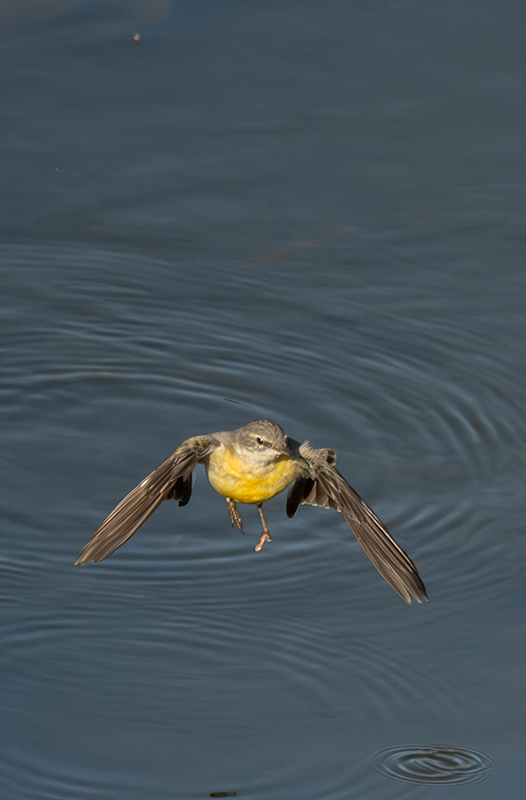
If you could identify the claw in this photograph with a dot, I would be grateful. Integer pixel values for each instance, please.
(234, 515)
(265, 536)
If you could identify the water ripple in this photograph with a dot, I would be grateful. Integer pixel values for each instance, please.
(433, 765)
(109, 361)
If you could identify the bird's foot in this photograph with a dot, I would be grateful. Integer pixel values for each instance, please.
(234, 515)
(265, 537)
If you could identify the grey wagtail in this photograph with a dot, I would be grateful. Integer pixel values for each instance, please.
(251, 465)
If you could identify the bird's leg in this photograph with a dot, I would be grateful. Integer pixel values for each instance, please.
(234, 515)
(265, 536)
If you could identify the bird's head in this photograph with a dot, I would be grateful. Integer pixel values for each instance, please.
(265, 440)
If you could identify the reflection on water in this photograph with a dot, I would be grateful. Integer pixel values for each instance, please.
(435, 765)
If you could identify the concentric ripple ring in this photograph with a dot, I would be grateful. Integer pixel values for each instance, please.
(431, 764)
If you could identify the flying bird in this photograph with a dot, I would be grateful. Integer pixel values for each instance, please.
(250, 465)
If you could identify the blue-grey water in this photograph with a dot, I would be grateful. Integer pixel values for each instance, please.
(313, 212)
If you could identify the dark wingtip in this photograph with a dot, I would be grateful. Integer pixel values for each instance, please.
(418, 590)
(83, 558)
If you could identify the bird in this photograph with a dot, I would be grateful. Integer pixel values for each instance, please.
(250, 465)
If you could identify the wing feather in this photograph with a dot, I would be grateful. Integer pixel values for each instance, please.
(327, 488)
(171, 479)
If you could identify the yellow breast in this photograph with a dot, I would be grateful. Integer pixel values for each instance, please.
(235, 477)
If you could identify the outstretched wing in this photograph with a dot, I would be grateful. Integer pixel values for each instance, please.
(172, 480)
(324, 486)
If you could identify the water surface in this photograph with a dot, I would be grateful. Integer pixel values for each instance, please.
(311, 214)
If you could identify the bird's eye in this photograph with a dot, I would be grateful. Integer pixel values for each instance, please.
(260, 441)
